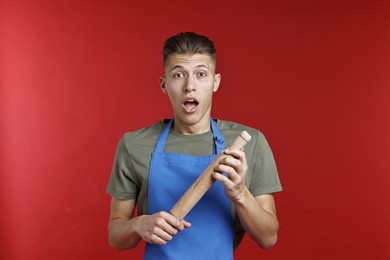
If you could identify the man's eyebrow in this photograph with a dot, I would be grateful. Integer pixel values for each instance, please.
(177, 67)
(197, 66)
(201, 66)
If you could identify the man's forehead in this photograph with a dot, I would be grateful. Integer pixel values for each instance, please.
(189, 60)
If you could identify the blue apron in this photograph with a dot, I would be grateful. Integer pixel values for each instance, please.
(211, 234)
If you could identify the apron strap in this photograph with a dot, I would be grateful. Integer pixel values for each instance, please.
(163, 138)
(218, 138)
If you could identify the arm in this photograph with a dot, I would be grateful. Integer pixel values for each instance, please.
(121, 232)
(257, 215)
(125, 231)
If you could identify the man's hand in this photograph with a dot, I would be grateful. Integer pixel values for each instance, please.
(160, 227)
(235, 166)
(125, 231)
(257, 214)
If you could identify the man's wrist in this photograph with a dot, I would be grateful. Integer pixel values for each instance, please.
(242, 198)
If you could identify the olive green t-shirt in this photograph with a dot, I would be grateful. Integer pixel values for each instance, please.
(129, 176)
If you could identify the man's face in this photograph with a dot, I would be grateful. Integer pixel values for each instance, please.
(190, 81)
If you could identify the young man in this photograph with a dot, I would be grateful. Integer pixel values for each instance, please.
(155, 165)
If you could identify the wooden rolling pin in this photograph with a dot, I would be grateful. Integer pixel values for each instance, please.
(204, 181)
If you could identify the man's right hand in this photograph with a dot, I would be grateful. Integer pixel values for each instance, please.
(159, 228)
(125, 231)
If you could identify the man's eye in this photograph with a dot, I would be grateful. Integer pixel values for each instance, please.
(202, 74)
(178, 75)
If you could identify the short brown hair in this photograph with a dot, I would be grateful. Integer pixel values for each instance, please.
(188, 43)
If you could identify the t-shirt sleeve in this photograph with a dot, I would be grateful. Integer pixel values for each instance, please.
(122, 184)
(264, 179)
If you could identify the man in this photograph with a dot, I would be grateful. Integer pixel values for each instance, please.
(155, 165)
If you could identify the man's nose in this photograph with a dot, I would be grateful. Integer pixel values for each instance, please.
(189, 85)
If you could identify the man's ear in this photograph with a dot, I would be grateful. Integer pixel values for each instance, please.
(162, 85)
(217, 81)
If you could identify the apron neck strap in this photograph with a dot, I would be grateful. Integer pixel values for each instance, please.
(218, 138)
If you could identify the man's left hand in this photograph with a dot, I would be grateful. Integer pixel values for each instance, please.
(235, 166)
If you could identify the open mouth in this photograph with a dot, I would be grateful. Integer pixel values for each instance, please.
(190, 105)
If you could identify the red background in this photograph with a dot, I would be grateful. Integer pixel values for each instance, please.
(312, 75)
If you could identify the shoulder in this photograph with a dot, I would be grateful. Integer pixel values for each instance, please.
(143, 137)
(145, 132)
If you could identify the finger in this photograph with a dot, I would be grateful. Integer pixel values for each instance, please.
(232, 162)
(175, 223)
(232, 170)
(226, 182)
(164, 230)
(155, 239)
(160, 236)
(225, 170)
(235, 153)
(237, 160)
(168, 223)
(186, 224)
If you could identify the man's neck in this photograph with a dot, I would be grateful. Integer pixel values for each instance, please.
(191, 129)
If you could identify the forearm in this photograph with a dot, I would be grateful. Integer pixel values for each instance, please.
(260, 224)
(122, 233)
